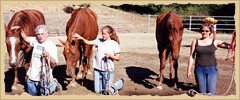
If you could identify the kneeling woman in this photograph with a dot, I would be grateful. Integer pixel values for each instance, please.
(206, 70)
(108, 50)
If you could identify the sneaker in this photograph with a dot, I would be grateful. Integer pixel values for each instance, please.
(115, 91)
(59, 87)
(122, 80)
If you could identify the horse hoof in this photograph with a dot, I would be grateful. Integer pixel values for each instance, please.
(72, 84)
(89, 73)
(14, 87)
(159, 87)
(79, 76)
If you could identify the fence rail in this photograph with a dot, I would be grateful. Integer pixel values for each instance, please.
(129, 23)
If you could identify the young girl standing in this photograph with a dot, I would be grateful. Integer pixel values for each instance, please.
(108, 50)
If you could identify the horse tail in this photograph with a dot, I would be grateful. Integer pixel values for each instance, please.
(68, 9)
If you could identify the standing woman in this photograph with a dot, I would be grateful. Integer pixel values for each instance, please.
(206, 71)
(108, 50)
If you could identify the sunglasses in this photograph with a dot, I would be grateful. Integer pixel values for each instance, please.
(205, 31)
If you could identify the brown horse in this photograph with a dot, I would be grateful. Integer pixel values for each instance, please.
(231, 50)
(83, 21)
(22, 21)
(169, 30)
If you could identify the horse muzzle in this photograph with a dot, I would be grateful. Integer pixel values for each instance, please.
(175, 56)
(12, 64)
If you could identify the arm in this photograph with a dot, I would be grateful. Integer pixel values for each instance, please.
(214, 31)
(222, 44)
(77, 36)
(24, 36)
(190, 59)
(114, 57)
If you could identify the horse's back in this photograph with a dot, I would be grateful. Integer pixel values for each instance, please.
(84, 22)
(37, 15)
(166, 22)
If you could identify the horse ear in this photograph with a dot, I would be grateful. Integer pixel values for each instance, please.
(63, 42)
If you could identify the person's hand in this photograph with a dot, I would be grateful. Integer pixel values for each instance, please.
(189, 74)
(107, 55)
(45, 54)
(214, 27)
(77, 36)
(23, 34)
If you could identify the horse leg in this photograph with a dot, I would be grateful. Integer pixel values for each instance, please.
(162, 55)
(85, 61)
(73, 75)
(88, 53)
(89, 72)
(175, 64)
(15, 81)
(79, 75)
(171, 67)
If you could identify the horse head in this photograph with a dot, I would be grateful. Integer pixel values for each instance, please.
(13, 43)
(175, 37)
(71, 53)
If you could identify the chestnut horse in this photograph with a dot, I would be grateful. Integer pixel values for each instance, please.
(231, 50)
(22, 21)
(83, 21)
(169, 30)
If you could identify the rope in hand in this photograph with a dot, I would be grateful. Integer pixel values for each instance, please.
(45, 74)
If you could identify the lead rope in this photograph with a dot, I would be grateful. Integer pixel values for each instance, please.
(233, 71)
(107, 86)
(45, 75)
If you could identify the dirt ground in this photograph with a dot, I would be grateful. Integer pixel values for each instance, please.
(139, 66)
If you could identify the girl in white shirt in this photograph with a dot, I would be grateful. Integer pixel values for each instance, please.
(108, 50)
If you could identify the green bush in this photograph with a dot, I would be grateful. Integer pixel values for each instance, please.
(181, 9)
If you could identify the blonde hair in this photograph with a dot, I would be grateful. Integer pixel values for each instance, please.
(112, 33)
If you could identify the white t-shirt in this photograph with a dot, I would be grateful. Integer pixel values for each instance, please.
(35, 66)
(108, 46)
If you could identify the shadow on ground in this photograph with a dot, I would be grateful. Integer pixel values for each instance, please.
(142, 76)
(59, 72)
(9, 78)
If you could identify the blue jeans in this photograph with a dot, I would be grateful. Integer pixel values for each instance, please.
(206, 78)
(34, 88)
(101, 78)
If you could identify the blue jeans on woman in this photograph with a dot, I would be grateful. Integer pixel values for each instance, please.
(206, 78)
(101, 78)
